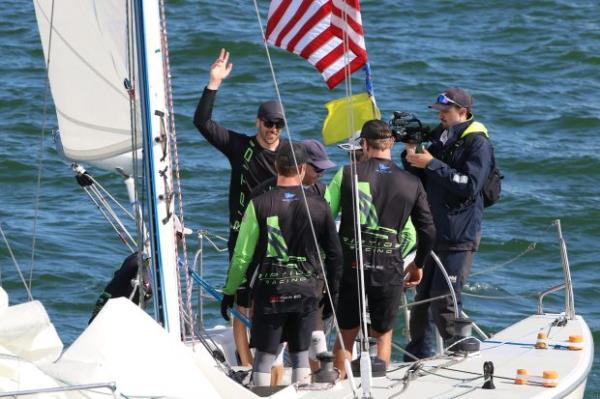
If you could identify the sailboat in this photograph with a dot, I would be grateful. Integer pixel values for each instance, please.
(108, 69)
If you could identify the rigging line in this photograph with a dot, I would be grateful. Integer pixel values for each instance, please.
(499, 296)
(107, 217)
(529, 248)
(141, 234)
(310, 222)
(139, 211)
(174, 149)
(41, 151)
(217, 248)
(109, 195)
(111, 212)
(12, 255)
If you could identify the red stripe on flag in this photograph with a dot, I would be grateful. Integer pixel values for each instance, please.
(352, 3)
(330, 58)
(276, 17)
(356, 49)
(293, 21)
(356, 27)
(316, 43)
(312, 21)
(340, 75)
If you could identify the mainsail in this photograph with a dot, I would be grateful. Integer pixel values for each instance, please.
(87, 60)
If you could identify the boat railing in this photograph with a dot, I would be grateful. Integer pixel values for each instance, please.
(542, 295)
(564, 260)
(81, 387)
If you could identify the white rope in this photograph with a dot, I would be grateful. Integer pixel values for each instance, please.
(12, 255)
(111, 197)
(108, 218)
(111, 213)
(287, 130)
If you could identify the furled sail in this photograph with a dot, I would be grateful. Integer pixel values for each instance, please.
(87, 61)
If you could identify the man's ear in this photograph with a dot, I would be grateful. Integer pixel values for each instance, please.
(257, 123)
(302, 170)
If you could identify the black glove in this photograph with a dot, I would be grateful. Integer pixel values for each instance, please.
(226, 303)
(327, 310)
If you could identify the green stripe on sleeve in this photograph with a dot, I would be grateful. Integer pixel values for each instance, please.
(244, 250)
(334, 190)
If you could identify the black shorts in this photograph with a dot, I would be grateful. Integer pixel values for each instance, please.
(269, 330)
(382, 305)
(243, 295)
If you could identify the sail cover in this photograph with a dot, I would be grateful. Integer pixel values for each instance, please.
(87, 61)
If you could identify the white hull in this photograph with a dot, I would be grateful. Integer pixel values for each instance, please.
(126, 347)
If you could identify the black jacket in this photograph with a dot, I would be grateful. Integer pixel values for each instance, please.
(453, 181)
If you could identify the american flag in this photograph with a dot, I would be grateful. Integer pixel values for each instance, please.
(315, 29)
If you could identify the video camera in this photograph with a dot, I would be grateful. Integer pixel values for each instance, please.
(407, 128)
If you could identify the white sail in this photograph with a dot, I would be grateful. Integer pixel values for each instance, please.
(87, 61)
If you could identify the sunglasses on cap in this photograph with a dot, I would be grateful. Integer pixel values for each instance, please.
(279, 124)
(443, 99)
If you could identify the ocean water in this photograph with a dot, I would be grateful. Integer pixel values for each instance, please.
(533, 68)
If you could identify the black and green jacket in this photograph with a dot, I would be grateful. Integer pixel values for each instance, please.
(276, 233)
(389, 198)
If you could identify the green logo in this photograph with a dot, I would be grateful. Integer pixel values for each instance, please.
(368, 213)
(276, 246)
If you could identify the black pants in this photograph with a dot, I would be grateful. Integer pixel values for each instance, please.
(458, 266)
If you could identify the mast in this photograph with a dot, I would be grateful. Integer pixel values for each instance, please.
(157, 163)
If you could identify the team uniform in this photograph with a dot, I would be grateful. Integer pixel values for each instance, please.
(275, 233)
(251, 164)
(388, 196)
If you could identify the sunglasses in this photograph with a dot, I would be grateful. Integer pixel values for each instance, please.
(317, 170)
(443, 99)
(279, 124)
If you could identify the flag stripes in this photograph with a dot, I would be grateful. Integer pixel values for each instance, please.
(316, 30)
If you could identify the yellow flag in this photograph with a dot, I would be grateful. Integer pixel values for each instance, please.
(338, 125)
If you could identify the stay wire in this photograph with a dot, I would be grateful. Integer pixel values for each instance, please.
(41, 151)
(312, 229)
(12, 255)
(175, 155)
(141, 233)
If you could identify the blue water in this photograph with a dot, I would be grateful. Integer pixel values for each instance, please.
(533, 68)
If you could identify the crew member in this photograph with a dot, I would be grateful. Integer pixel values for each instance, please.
(318, 163)
(251, 159)
(276, 233)
(453, 170)
(125, 281)
(388, 196)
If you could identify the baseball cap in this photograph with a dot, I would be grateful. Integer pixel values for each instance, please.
(317, 155)
(285, 158)
(179, 227)
(270, 111)
(375, 129)
(453, 96)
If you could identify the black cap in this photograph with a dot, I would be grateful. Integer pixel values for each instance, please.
(284, 157)
(456, 95)
(375, 129)
(270, 111)
(317, 155)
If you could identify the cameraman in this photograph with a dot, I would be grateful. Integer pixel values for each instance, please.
(453, 173)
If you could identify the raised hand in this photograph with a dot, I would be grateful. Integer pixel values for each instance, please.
(219, 70)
